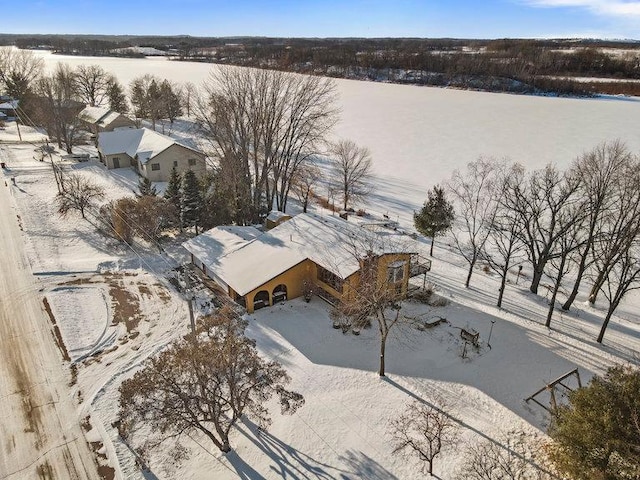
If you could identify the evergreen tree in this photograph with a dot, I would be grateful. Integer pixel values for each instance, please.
(216, 209)
(146, 188)
(173, 193)
(171, 103)
(436, 215)
(117, 97)
(597, 436)
(191, 200)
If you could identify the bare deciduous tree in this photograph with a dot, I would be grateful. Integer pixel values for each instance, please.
(617, 228)
(146, 217)
(504, 248)
(572, 237)
(205, 383)
(423, 431)
(188, 93)
(58, 106)
(515, 457)
(602, 170)
(78, 193)
(374, 296)
(121, 211)
(304, 183)
(263, 125)
(93, 83)
(476, 193)
(537, 203)
(351, 165)
(622, 277)
(19, 69)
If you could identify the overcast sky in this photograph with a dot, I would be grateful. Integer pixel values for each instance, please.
(329, 18)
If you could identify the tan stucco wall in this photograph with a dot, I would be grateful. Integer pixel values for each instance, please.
(387, 259)
(307, 270)
(175, 153)
(293, 278)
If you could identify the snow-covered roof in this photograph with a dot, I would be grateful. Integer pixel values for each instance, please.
(330, 242)
(220, 241)
(10, 105)
(135, 141)
(108, 118)
(93, 114)
(275, 215)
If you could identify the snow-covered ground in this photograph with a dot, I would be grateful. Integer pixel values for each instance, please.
(117, 299)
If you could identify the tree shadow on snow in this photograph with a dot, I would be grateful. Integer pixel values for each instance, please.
(461, 423)
(291, 463)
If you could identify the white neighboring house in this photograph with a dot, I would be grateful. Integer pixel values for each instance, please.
(100, 119)
(149, 153)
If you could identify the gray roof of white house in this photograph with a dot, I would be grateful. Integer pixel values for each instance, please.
(143, 142)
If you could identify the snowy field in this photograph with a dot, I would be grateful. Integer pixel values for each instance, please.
(419, 135)
(118, 298)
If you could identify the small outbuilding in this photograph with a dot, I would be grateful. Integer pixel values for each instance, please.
(100, 119)
(9, 108)
(275, 218)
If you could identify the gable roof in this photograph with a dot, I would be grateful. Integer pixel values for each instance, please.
(328, 241)
(143, 142)
(9, 105)
(93, 114)
(111, 117)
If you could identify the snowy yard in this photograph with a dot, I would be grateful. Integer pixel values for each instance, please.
(115, 308)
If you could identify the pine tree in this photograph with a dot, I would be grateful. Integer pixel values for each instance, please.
(171, 103)
(597, 436)
(146, 188)
(191, 200)
(435, 217)
(117, 97)
(173, 193)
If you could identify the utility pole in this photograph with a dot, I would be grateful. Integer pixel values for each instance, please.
(18, 127)
(55, 174)
(189, 296)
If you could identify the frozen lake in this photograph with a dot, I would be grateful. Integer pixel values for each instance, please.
(419, 135)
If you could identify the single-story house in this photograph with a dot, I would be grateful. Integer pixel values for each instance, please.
(100, 119)
(259, 268)
(150, 153)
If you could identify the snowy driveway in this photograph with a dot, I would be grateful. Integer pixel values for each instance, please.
(39, 431)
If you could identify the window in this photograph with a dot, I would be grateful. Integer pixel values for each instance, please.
(192, 162)
(395, 272)
(175, 163)
(155, 166)
(330, 278)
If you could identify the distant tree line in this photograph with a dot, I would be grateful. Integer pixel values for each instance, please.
(527, 66)
(512, 65)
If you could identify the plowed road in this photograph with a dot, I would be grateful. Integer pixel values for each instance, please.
(40, 434)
